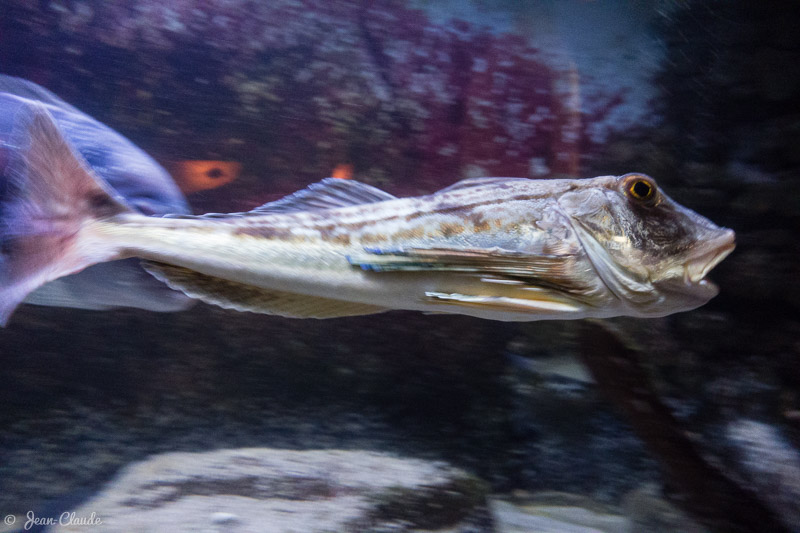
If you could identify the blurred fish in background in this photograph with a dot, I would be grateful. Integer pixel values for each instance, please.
(197, 175)
(125, 169)
(343, 171)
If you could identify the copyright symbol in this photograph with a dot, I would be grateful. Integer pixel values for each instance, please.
(10, 519)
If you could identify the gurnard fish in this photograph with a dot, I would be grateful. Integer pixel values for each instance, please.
(123, 168)
(511, 249)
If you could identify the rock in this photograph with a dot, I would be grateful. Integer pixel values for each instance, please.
(771, 465)
(224, 518)
(557, 513)
(566, 439)
(649, 512)
(271, 490)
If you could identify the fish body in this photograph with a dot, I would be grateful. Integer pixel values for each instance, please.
(375, 253)
(123, 168)
(496, 248)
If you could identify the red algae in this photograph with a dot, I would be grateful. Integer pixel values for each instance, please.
(293, 88)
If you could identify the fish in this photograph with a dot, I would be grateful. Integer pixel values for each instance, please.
(509, 249)
(201, 175)
(122, 167)
(343, 171)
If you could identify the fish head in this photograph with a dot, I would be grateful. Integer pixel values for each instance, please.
(652, 253)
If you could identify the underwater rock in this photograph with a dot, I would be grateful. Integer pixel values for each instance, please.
(270, 490)
(567, 439)
(649, 512)
(555, 512)
(710, 494)
(771, 465)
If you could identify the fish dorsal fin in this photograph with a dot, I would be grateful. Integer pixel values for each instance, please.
(232, 295)
(327, 194)
(31, 91)
(478, 182)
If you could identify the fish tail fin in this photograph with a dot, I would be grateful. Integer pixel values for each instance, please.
(49, 198)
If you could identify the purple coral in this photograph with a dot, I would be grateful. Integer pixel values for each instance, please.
(294, 88)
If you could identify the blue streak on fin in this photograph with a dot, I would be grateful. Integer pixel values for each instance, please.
(477, 260)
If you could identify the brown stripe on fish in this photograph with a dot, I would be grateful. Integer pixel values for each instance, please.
(445, 229)
(418, 232)
(339, 238)
(480, 224)
(448, 229)
(439, 208)
(455, 208)
(342, 232)
(333, 234)
(265, 231)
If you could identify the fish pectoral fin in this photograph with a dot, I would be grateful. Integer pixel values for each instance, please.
(529, 280)
(541, 304)
(478, 260)
(232, 295)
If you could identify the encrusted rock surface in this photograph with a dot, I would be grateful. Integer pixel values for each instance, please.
(266, 490)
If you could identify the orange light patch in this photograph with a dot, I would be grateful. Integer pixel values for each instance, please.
(192, 176)
(343, 172)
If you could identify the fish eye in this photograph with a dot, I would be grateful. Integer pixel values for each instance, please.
(641, 188)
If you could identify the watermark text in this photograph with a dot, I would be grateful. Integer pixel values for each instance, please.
(67, 518)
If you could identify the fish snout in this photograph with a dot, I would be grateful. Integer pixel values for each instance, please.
(708, 253)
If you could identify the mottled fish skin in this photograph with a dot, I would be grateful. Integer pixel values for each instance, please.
(337, 253)
(126, 169)
(496, 248)
(314, 252)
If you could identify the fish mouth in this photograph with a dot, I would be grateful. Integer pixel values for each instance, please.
(708, 255)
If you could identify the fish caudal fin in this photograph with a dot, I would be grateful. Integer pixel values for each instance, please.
(49, 197)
